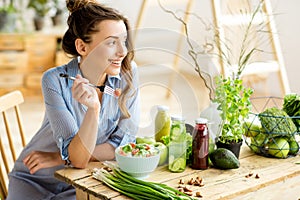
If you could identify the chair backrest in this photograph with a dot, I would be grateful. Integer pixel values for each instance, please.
(10, 140)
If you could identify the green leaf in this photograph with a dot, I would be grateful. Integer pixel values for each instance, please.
(234, 103)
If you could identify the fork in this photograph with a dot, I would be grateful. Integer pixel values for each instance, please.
(103, 88)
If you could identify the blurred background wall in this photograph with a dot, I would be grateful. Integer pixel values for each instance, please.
(285, 11)
(159, 32)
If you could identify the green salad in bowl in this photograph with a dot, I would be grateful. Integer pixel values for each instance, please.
(138, 150)
(138, 160)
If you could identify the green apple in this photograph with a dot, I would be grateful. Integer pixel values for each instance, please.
(279, 148)
(255, 148)
(294, 146)
(260, 139)
(146, 139)
(163, 149)
(252, 129)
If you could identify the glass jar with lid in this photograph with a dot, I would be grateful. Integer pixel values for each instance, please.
(162, 123)
(177, 145)
(200, 145)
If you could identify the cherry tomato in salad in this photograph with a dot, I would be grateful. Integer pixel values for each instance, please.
(134, 151)
(132, 145)
(138, 150)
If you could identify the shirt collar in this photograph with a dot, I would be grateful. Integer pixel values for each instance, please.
(115, 76)
(72, 70)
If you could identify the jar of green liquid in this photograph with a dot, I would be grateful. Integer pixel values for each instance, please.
(162, 123)
(177, 145)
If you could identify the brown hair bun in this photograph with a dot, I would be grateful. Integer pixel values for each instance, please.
(74, 5)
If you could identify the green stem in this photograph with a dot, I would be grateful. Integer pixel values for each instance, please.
(158, 186)
(146, 189)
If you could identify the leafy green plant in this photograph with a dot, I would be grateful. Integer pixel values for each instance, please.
(8, 8)
(230, 93)
(291, 106)
(7, 15)
(59, 6)
(41, 7)
(233, 98)
(234, 103)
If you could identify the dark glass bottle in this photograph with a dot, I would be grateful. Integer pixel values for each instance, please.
(200, 146)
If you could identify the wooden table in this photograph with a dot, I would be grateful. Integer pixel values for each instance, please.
(278, 179)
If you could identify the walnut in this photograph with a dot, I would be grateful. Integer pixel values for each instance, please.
(198, 194)
(191, 181)
(181, 181)
(186, 189)
(189, 193)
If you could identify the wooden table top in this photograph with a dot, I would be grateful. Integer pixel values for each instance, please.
(278, 179)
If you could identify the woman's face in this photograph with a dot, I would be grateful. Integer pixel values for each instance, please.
(108, 46)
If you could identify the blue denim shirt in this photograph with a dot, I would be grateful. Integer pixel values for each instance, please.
(64, 115)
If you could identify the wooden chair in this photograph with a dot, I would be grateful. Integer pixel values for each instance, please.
(11, 141)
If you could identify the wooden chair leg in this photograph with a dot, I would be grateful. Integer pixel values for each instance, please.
(3, 190)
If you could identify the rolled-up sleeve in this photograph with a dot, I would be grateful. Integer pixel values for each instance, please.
(59, 112)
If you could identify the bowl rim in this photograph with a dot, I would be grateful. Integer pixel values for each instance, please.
(117, 153)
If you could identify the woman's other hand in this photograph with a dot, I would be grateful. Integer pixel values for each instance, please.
(84, 93)
(37, 160)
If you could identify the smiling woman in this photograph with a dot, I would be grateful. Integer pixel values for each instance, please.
(108, 48)
(81, 123)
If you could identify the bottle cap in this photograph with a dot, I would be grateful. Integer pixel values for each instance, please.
(201, 121)
(177, 118)
(162, 108)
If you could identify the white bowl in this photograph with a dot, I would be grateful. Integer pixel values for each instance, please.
(138, 167)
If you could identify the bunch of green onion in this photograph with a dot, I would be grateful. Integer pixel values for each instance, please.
(136, 188)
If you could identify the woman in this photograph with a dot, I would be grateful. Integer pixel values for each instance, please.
(81, 123)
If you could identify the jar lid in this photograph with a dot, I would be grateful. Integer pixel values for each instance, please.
(177, 118)
(162, 108)
(201, 121)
